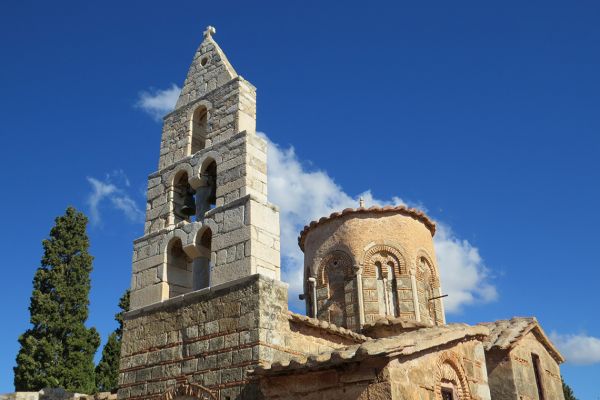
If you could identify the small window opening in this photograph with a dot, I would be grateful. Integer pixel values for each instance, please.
(179, 269)
(206, 193)
(537, 370)
(199, 129)
(202, 264)
(447, 394)
(203, 61)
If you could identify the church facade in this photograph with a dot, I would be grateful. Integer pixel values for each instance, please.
(209, 315)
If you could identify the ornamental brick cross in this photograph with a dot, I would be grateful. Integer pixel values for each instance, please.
(210, 30)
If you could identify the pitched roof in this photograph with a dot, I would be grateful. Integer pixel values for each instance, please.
(411, 212)
(506, 333)
(401, 345)
(210, 69)
(326, 326)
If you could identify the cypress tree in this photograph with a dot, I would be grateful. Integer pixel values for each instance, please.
(58, 350)
(568, 392)
(107, 371)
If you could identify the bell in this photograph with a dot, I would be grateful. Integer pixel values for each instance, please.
(189, 205)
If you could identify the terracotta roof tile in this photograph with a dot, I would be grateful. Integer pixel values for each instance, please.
(412, 212)
(401, 345)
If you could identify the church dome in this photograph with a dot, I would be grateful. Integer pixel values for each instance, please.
(364, 264)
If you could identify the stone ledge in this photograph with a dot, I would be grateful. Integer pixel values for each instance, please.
(216, 210)
(207, 94)
(191, 297)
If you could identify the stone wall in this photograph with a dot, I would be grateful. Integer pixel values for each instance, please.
(211, 337)
(460, 365)
(512, 376)
(420, 376)
(57, 394)
(243, 226)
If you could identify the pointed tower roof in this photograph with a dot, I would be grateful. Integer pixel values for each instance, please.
(210, 69)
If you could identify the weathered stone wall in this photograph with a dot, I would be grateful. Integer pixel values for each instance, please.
(57, 394)
(500, 375)
(360, 381)
(393, 240)
(457, 365)
(211, 337)
(421, 376)
(523, 371)
(244, 226)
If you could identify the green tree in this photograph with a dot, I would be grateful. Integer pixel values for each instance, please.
(107, 371)
(58, 351)
(569, 395)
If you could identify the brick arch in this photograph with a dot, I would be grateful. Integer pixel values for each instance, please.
(187, 390)
(202, 160)
(374, 253)
(449, 369)
(345, 260)
(335, 299)
(433, 273)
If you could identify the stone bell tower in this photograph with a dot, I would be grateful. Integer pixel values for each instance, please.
(205, 284)
(207, 217)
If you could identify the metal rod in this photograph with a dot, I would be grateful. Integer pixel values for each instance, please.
(438, 297)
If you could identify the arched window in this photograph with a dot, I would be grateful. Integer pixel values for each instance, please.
(335, 290)
(199, 129)
(386, 265)
(202, 264)
(426, 291)
(179, 269)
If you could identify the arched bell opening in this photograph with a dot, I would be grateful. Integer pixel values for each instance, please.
(206, 193)
(202, 264)
(179, 269)
(183, 198)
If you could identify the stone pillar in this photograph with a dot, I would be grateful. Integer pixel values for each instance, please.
(313, 293)
(359, 289)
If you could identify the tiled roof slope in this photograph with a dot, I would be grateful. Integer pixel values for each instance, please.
(411, 212)
(506, 333)
(324, 325)
(401, 345)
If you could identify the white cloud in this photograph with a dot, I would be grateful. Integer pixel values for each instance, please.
(463, 274)
(107, 190)
(304, 195)
(578, 349)
(158, 102)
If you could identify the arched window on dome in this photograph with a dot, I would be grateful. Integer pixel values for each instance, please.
(199, 129)
(336, 291)
(426, 291)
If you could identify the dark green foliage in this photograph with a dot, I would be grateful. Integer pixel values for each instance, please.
(58, 350)
(107, 371)
(569, 395)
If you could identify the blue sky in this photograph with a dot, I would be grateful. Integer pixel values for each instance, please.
(484, 115)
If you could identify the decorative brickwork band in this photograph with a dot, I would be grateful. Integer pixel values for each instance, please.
(185, 389)
(450, 374)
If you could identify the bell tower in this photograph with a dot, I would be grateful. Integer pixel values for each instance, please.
(208, 221)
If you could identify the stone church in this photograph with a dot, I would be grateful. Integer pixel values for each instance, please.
(209, 314)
